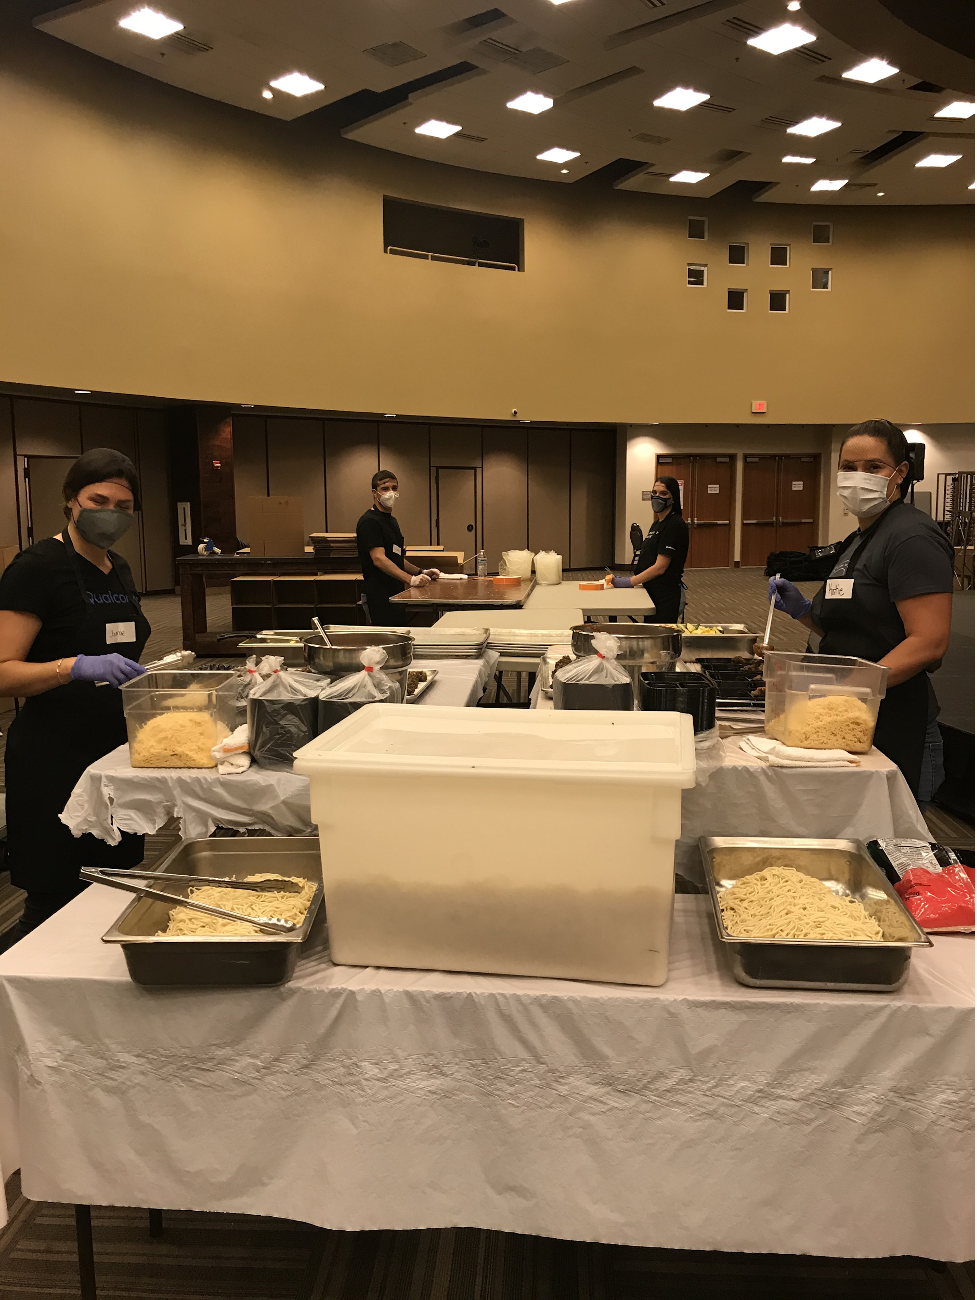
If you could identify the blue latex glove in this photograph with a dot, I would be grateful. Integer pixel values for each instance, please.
(619, 580)
(787, 598)
(114, 669)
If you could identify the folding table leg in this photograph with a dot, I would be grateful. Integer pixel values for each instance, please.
(86, 1252)
(156, 1223)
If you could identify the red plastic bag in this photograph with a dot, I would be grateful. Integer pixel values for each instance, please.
(939, 900)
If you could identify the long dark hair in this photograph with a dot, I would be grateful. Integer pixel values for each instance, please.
(673, 487)
(895, 441)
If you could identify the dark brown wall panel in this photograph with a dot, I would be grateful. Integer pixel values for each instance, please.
(43, 428)
(250, 466)
(352, 458)
(405, 449)
(505, 516)
(9, 533)
(109, 426)
(456, 444)
(296, 467)
(592, 470)
(549, 491)
(158, 510)
(215, 449)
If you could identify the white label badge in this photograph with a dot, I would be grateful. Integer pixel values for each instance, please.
(118, 632)
(396, 549)
(712, 489)
(838, 588)
(797, 487)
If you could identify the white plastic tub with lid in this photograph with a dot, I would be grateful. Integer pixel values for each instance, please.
(539, 843)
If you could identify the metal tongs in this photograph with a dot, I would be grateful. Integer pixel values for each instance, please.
(120, 879)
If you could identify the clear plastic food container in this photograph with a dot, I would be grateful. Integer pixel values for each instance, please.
(174, 719)
(520, 873)
(822, 701)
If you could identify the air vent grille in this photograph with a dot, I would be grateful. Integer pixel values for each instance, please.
(483, 19)
(655, 4)
(394, 53)
(742, 27)
(472, 139)
(810, 55)
(860, 185)
(713, 107)
(645, 138)
(778, 123)
(187, 44)
(535, 60)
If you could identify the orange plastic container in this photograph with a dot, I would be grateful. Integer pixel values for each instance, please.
(503, 581)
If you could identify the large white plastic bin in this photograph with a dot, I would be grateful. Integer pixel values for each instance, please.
(524, 843)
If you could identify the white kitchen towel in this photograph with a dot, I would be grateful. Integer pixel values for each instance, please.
(775, 754)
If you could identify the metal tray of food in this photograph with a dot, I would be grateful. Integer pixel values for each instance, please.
(174, 960)
(287, 643)
(862, 966)
(427, 676)
(732, 640)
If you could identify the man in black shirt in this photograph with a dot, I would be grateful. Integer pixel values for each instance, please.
(380, 544)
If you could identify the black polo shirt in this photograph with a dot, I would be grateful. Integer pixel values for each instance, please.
(671, 538)
(376, 528)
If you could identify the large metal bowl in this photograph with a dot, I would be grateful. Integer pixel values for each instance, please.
(645, 647)
(343, 656)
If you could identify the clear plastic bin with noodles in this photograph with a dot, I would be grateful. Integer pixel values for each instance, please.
(822, 701)
(175, 718)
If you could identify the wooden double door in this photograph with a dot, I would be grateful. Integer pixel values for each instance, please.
(707, 486)
(781, 501)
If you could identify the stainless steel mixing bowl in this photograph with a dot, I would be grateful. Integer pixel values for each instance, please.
(343, 656)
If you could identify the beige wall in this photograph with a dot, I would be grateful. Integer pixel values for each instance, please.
(156, 242)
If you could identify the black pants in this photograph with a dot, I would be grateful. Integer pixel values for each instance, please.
(901, 730)
(37, 909)
(382, 612)
(667, 601)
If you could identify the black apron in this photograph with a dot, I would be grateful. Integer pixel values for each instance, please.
(54, 738)
(900, 732)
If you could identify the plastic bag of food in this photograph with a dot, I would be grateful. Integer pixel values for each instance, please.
(371, 686)
(595, 682)
(549, 568)
(516, 564)
(936, 887)
(283, 716)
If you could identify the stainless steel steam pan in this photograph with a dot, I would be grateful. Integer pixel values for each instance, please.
(863, 966)
(732, 640)
(174, 960)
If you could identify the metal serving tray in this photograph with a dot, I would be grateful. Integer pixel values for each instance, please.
(156, 959)
(731, 640)
(847, 869)
(289, 644)
(429, 675)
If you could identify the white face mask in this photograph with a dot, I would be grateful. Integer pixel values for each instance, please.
(388, 498)
(865, 495)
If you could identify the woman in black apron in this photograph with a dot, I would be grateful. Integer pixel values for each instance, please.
(71, 629)
(661, 562)
(888, 598)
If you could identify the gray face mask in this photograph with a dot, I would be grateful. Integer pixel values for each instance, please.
(102, 527)
(658, 504)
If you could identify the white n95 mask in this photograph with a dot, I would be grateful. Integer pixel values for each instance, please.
(865, 495)
(388, 498)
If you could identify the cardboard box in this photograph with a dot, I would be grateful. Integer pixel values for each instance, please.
(275, 526)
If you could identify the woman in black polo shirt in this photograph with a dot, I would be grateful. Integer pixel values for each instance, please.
(888, 598)
(661, 561)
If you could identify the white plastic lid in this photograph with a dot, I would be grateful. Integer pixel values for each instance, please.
(643, 748)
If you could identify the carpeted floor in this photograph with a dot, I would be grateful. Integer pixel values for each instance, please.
(236, 1257)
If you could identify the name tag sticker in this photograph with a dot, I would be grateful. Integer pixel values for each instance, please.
(838, 588)
(396, 550)
(116, 633)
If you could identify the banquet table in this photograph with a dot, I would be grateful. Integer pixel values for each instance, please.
(611, 603)
(699, 1115)
(112, 796)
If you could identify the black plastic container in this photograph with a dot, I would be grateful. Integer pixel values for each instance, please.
(690, 693)
(333, 711)
(277, 728)
(593, 695)
(752, 666)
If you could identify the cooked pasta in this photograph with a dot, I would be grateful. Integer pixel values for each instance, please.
(781, 903)
(283, 907)
(177, 740)
(830, 722)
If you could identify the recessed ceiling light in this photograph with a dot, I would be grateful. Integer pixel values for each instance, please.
(959, 109)
(558, 155)
(681, 98)
(880, 194)
(266, 94)
(971, 185)
(939, 159)
(558, 2)
(871, 70)
(794, 6)
(437, 128)
(83, 392)
(564, 171)
(689, 178)
(531, 102)
(813, 126)
(151, 23)
(778, 40)
(797, 158)
(390, 416)
(828, 185)
(297, 83)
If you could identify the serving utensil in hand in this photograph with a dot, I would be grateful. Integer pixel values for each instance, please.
(766, 634)
(126, 880)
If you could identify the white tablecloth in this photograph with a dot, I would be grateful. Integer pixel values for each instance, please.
(112, 796)
(612, 602)
(699, 1115)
